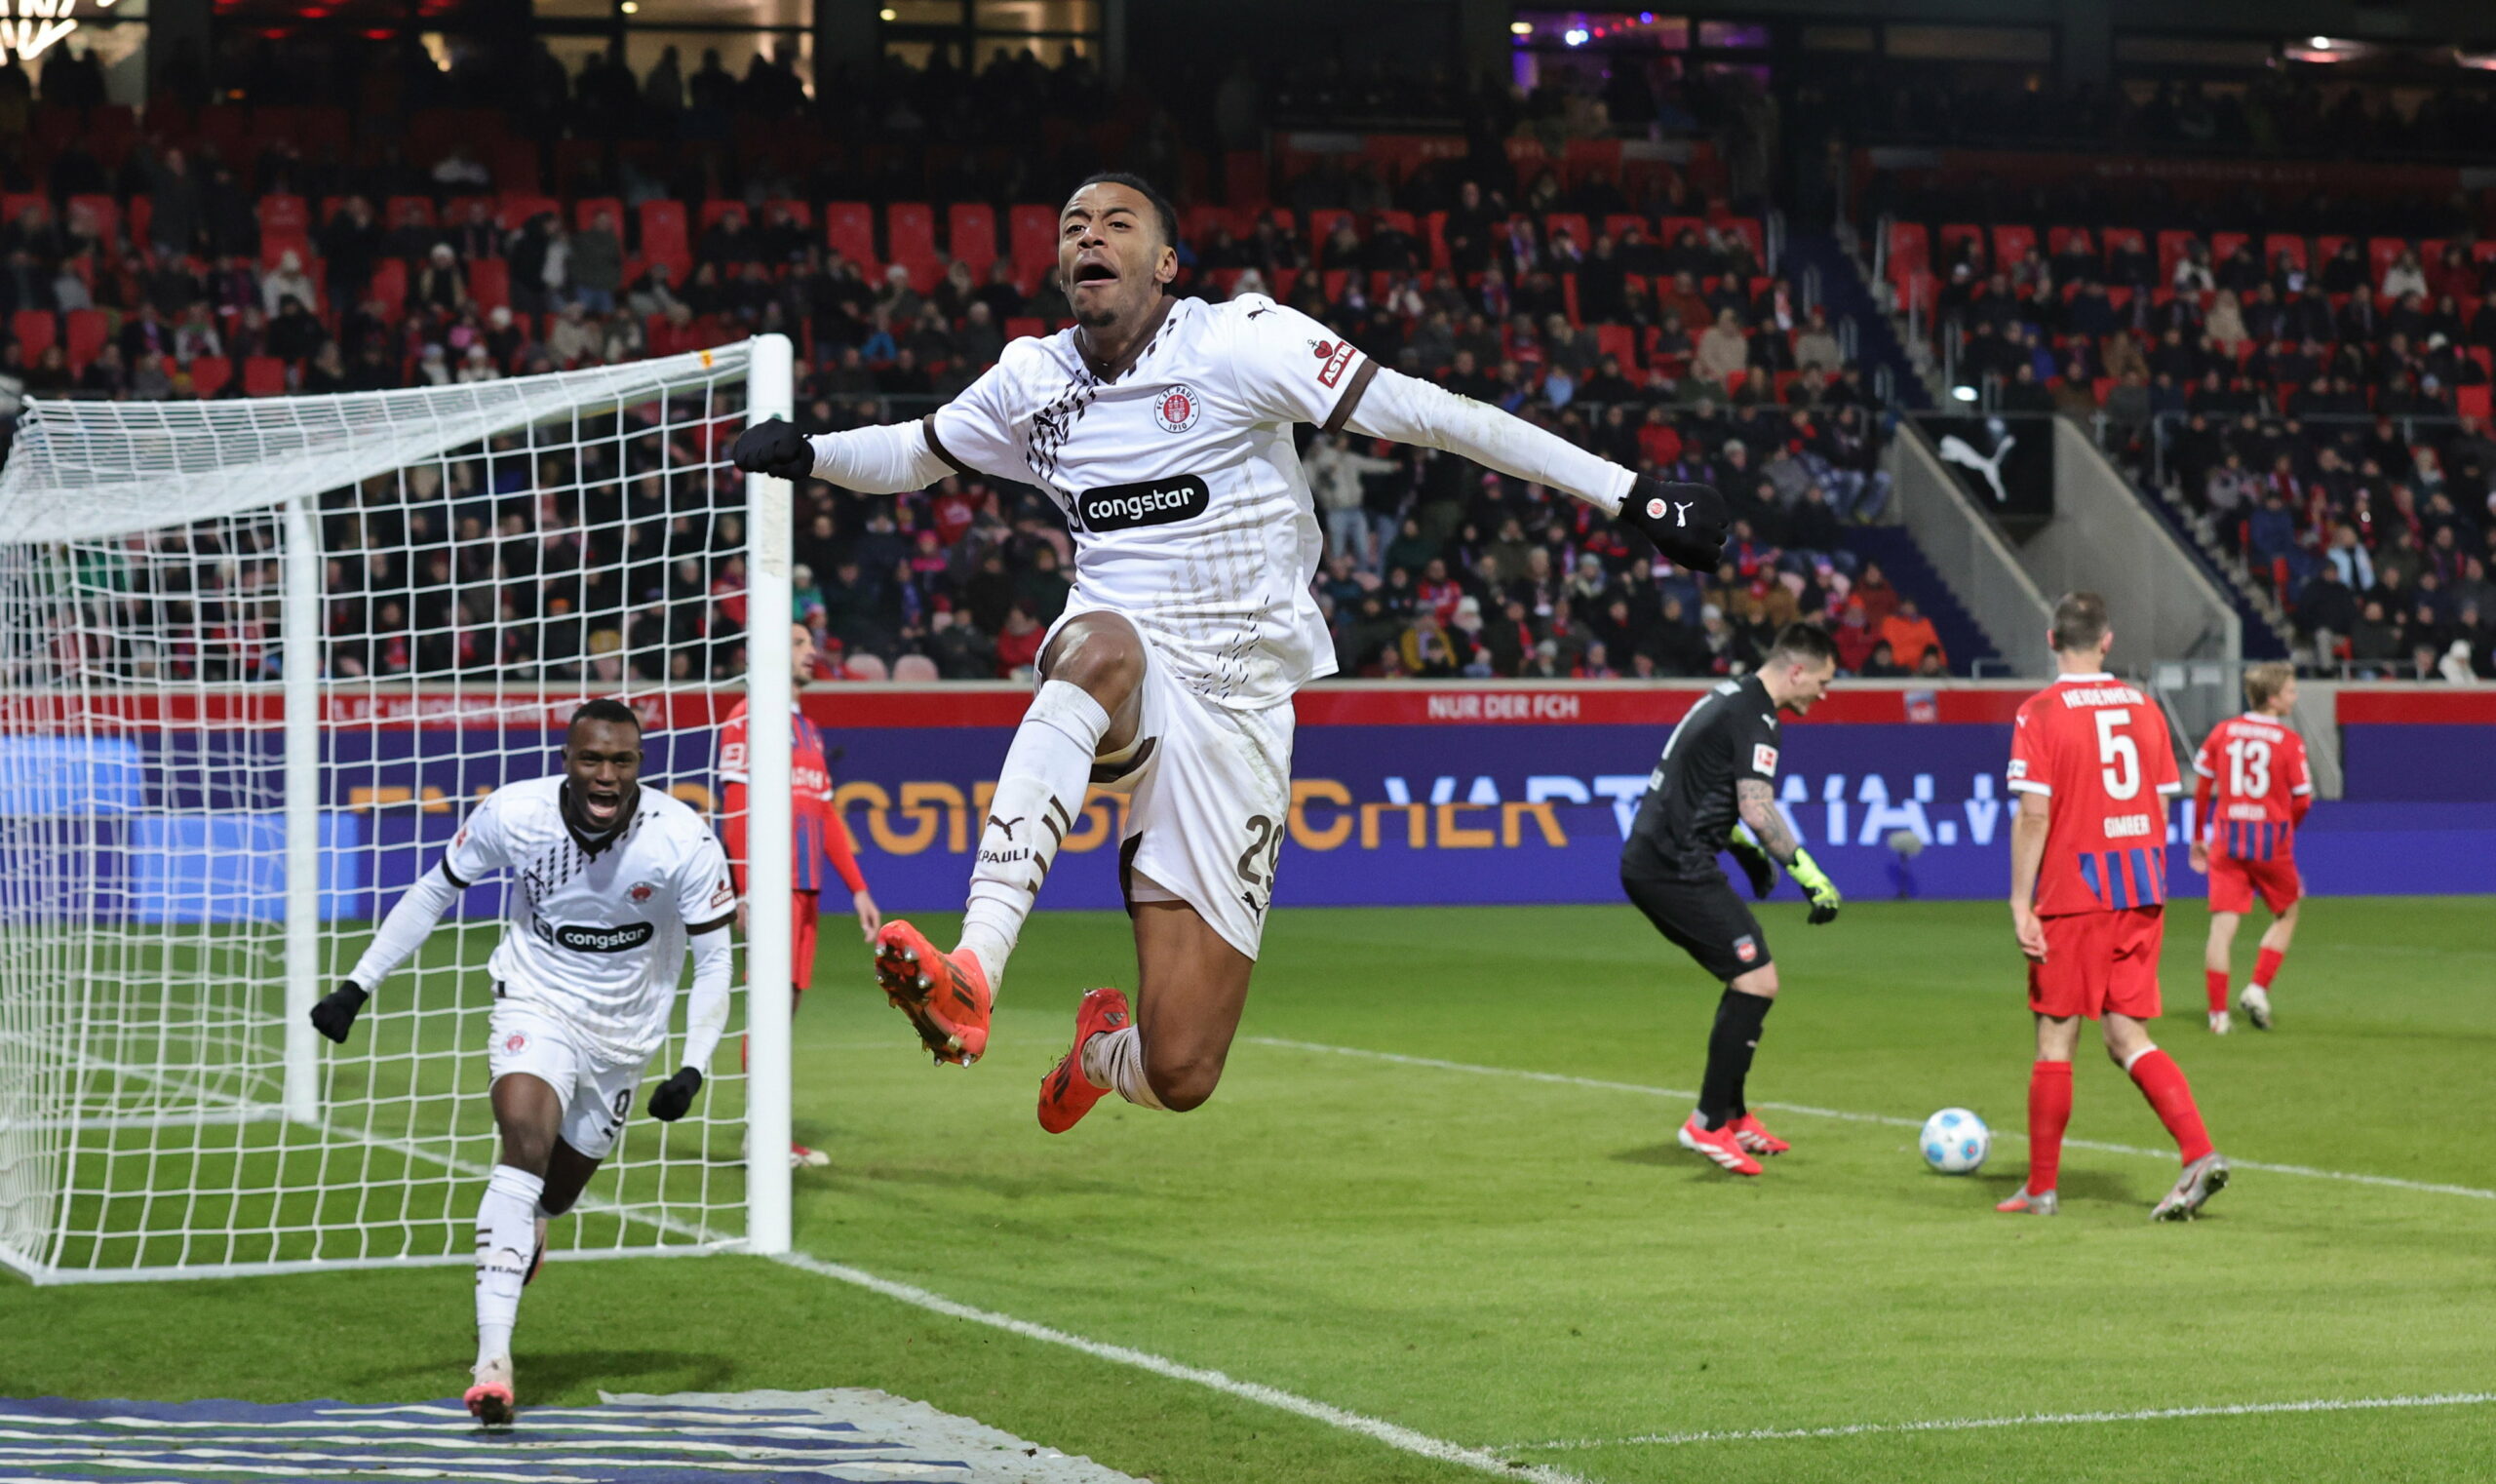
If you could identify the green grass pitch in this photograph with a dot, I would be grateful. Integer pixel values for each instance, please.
(1507, 1262)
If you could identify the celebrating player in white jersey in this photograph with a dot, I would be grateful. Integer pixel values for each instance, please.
(1162, 427)
(613, 879)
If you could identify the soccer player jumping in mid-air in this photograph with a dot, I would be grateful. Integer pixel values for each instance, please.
(2092, 766)
(1162, 427)
(1720, 765)
(613, 882)
(2250, 790)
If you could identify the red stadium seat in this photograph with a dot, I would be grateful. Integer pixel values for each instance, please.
(210, 374)
(35, 331)
(909, 236)
(2012, 243)
(1749, 230)
(585, 214)
(2470, 401)
(664, 239)
(1575, 224)
(718, 209)
(2275, 244)
(263, 376)
(389, 287)
(1321, 225)
(2484, 252)
(398, 209)
(2059, 238)
(1958, 233)
(12, 205)
(2327, 247)
(2111, 238)
(1334, 280)
(2382, 252)
(1617, 225)
(849, 229)
(2227, 245)
(1618, 340)
(107, 214)
(517, 209)
(2172, 249)
(1023, 327)
(87, 330)
(1669, 231)
(1435, 233)
(489, 282)
(1032, 237)
(1910, 246)
(1198, 220)
(971, 235)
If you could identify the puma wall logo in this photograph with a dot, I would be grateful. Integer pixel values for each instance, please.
(1960, 451)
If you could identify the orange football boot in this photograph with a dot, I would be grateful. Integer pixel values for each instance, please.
(1754, 1138)
(489, 1400)
(1066, 1093)
(946, 996)
(1718, 1145)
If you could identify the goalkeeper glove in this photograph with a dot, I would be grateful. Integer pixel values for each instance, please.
(1686, 522)
(1754, 862)
(1816, 886)
(335, 1016)
(774, 445)
(671, 1097)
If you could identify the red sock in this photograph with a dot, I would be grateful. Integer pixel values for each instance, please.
(2048, 1115)
(2163, 1083)
(2266, 966)
(2216, 979)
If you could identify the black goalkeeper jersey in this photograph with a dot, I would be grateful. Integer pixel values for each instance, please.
(1731, 736)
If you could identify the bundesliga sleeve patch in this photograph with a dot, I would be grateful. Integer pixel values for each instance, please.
(1764, 759)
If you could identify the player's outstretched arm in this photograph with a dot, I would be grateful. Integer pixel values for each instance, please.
(400, 935)
(1686, 523)
(873, 460)
(706, 1017)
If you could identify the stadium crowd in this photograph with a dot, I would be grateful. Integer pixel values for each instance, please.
(2321, 405)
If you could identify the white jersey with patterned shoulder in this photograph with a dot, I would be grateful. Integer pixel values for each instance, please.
(1188, 508)
(596, 935)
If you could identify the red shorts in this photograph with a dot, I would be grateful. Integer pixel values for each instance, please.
(802, 909)
(2233, 884)
(2098, 961)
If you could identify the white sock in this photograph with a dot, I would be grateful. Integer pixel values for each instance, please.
(1038, 793)
(1116, 1060)
(506, 1240)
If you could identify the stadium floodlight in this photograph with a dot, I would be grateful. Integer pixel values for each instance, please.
(227, 744)
(1575, 36)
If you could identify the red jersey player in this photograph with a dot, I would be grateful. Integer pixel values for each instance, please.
(2251, 788)
(814, 827)
(2092, 766)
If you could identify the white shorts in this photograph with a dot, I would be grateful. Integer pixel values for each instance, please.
(1209, 799)
(597, 1096)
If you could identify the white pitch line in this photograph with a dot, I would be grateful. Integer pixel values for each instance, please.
(1644, 1089)
(1392, 1435)
(2026, 1419)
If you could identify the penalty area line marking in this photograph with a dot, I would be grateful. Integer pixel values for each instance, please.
(1643, 1089)
(2025, 1420)
(1392, 1435)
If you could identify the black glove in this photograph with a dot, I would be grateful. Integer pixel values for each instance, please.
(775, 446)
(1755, 863)
(1686, 522)
(335, 1016)
(671, 1097)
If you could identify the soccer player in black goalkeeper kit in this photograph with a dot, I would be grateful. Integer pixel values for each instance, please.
(1720, 765)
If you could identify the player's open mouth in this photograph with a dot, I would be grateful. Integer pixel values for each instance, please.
(602, 807)
(1094, 273)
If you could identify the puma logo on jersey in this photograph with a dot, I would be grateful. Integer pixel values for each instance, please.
(1006, 825)
(1153, 502)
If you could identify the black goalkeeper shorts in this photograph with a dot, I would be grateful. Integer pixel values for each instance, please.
(1706, 920)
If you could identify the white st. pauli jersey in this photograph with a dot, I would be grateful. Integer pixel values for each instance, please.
(598, 937)
(1188, 508)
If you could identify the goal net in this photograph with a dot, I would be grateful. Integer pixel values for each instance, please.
(258, 660)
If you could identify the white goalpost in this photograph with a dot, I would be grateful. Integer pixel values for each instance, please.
(258, 658)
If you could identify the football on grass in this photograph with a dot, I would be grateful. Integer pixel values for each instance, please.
(1955, 1141)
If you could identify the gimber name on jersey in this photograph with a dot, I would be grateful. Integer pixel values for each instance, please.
(1153, 502)
(595, 940)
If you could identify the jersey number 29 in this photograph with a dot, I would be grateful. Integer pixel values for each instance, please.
(2118, 757)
